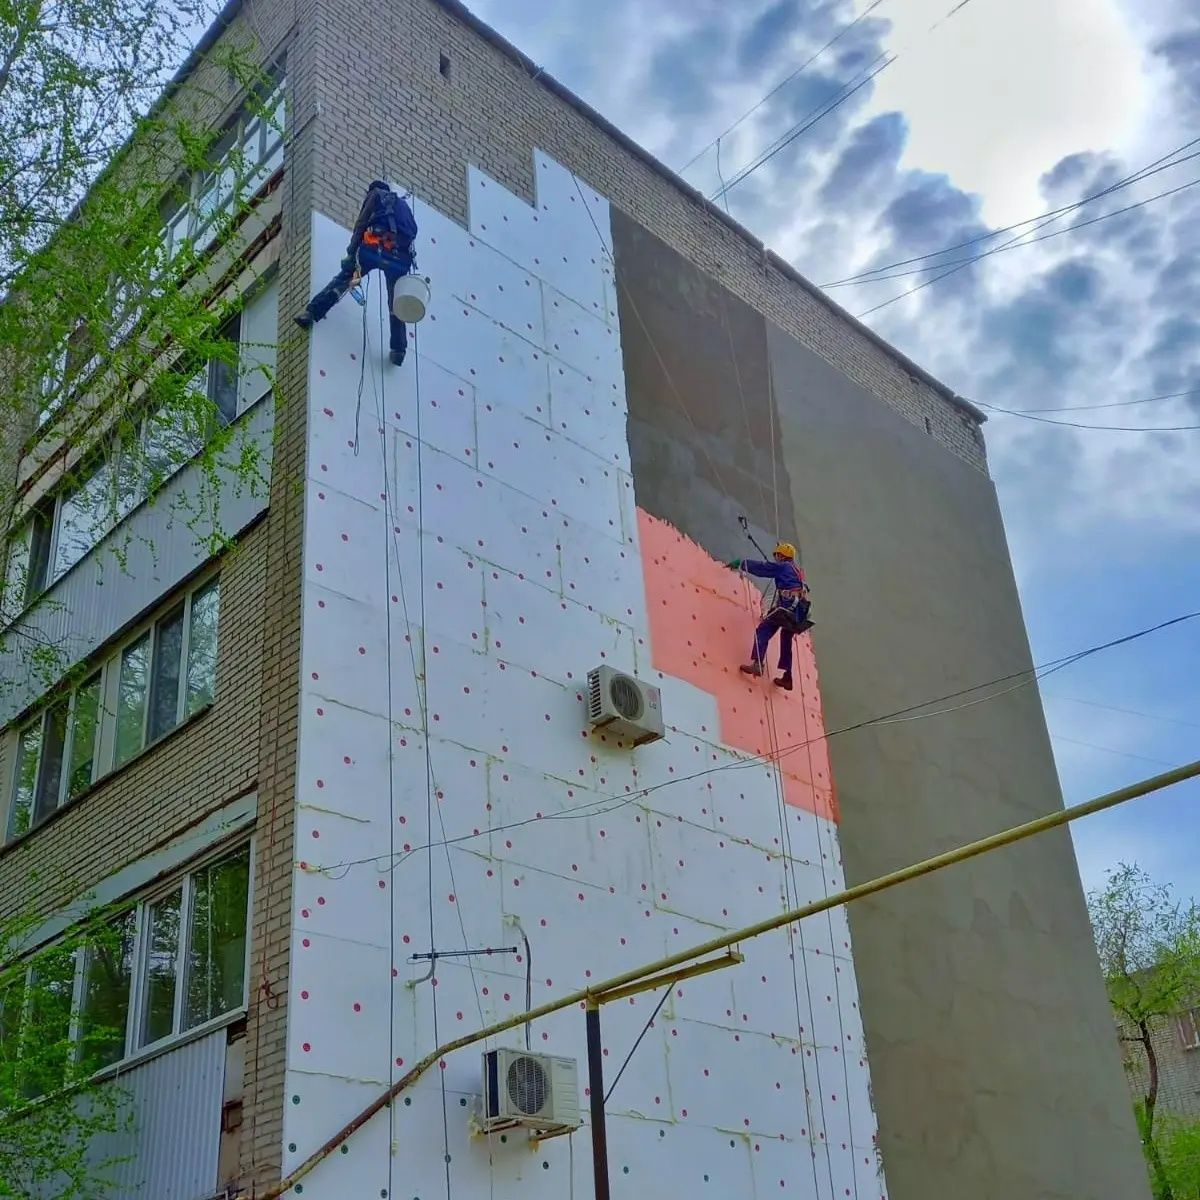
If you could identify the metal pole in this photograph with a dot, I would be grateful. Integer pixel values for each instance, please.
(938, 862)
(595, 1054)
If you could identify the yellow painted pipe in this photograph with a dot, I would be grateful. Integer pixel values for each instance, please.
(596, 992)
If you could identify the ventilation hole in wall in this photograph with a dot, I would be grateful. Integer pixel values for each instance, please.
(444, 65)
(928, 427)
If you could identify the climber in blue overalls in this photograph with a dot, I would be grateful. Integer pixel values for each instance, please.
(787, 611)
(382, 241)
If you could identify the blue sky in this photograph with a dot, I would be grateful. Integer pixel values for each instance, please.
(1006, 109)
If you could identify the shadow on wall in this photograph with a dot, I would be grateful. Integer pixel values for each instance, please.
(702, 619)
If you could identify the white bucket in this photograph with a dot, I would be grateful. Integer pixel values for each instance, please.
(410, 299)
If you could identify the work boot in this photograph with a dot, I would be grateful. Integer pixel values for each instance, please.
(304, 320)
(784, 681)
(754, 668)
(396, 357)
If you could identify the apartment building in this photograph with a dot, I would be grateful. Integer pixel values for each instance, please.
(1176, 1041)
(335, 771)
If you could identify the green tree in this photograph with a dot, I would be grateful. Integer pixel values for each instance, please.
(55, 1111)
(1179, 1148)
(116, 316)
(1149, 947)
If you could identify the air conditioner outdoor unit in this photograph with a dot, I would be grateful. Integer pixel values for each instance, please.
(625, 705)
(538, 1091)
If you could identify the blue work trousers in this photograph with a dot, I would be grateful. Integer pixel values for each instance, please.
(778, 620)
(369, 259)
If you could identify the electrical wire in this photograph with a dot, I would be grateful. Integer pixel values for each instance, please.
(1114, 404)
(1131, 712)
(1142, 173)
(808, 62)
(1029, 416)
(810, 119)
(1059, 737)
(605, 804)
(818, 114)
(988, 253)
(1020, 244)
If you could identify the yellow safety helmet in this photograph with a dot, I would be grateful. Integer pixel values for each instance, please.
(786, 549)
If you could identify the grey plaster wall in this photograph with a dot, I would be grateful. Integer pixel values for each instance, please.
(992, 1057)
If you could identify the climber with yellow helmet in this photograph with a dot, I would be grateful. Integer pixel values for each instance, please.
(787, 611)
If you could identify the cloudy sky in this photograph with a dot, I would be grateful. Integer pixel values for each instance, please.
(992, 112)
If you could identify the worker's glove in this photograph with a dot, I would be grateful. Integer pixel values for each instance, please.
(349, 262)
(734, 564)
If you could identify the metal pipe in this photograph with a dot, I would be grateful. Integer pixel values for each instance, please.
(961, 854)
(595, 1053)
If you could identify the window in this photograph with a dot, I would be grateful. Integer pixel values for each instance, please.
(258, 336)
(167, 673)
(46, 1026)
(166, 965)
(164, 686)
(28, 561)
(85, 729)
(131, 699)
(202, 647)
(29, 753)
(244, 159)
(162, 678)
(1188, 1023)
(54, 742)
(234, 382)
(56, 757)
(86, 513)
(215, 965)
(107, 981)
(163, 928)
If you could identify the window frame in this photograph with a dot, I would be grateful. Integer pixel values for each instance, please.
(41, 720)
(107, 673)
(1187, 1025)
(183, 222)
(133, 1051)
(110, 697)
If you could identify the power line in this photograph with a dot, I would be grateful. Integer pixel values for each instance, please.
(1058, 737)
(1011, 242)
(804, 124)
(1045, 237)
(1131, 712)
(1114, 404)
(808, 62)
(597, 807)
(1145, 172)
(1029, 416)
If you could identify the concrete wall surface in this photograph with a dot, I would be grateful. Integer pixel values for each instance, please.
(984, 1006)
(989, 1037)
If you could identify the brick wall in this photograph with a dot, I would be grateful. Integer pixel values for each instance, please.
(248, 739)
(387, 108)
(279, 708)
(172, 785)
(1178, 1070)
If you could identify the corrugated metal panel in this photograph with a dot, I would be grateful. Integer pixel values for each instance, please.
(153, 550)
(171, 1147)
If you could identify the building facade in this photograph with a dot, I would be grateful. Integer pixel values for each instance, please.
(1176, 1042)
(358, 735)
